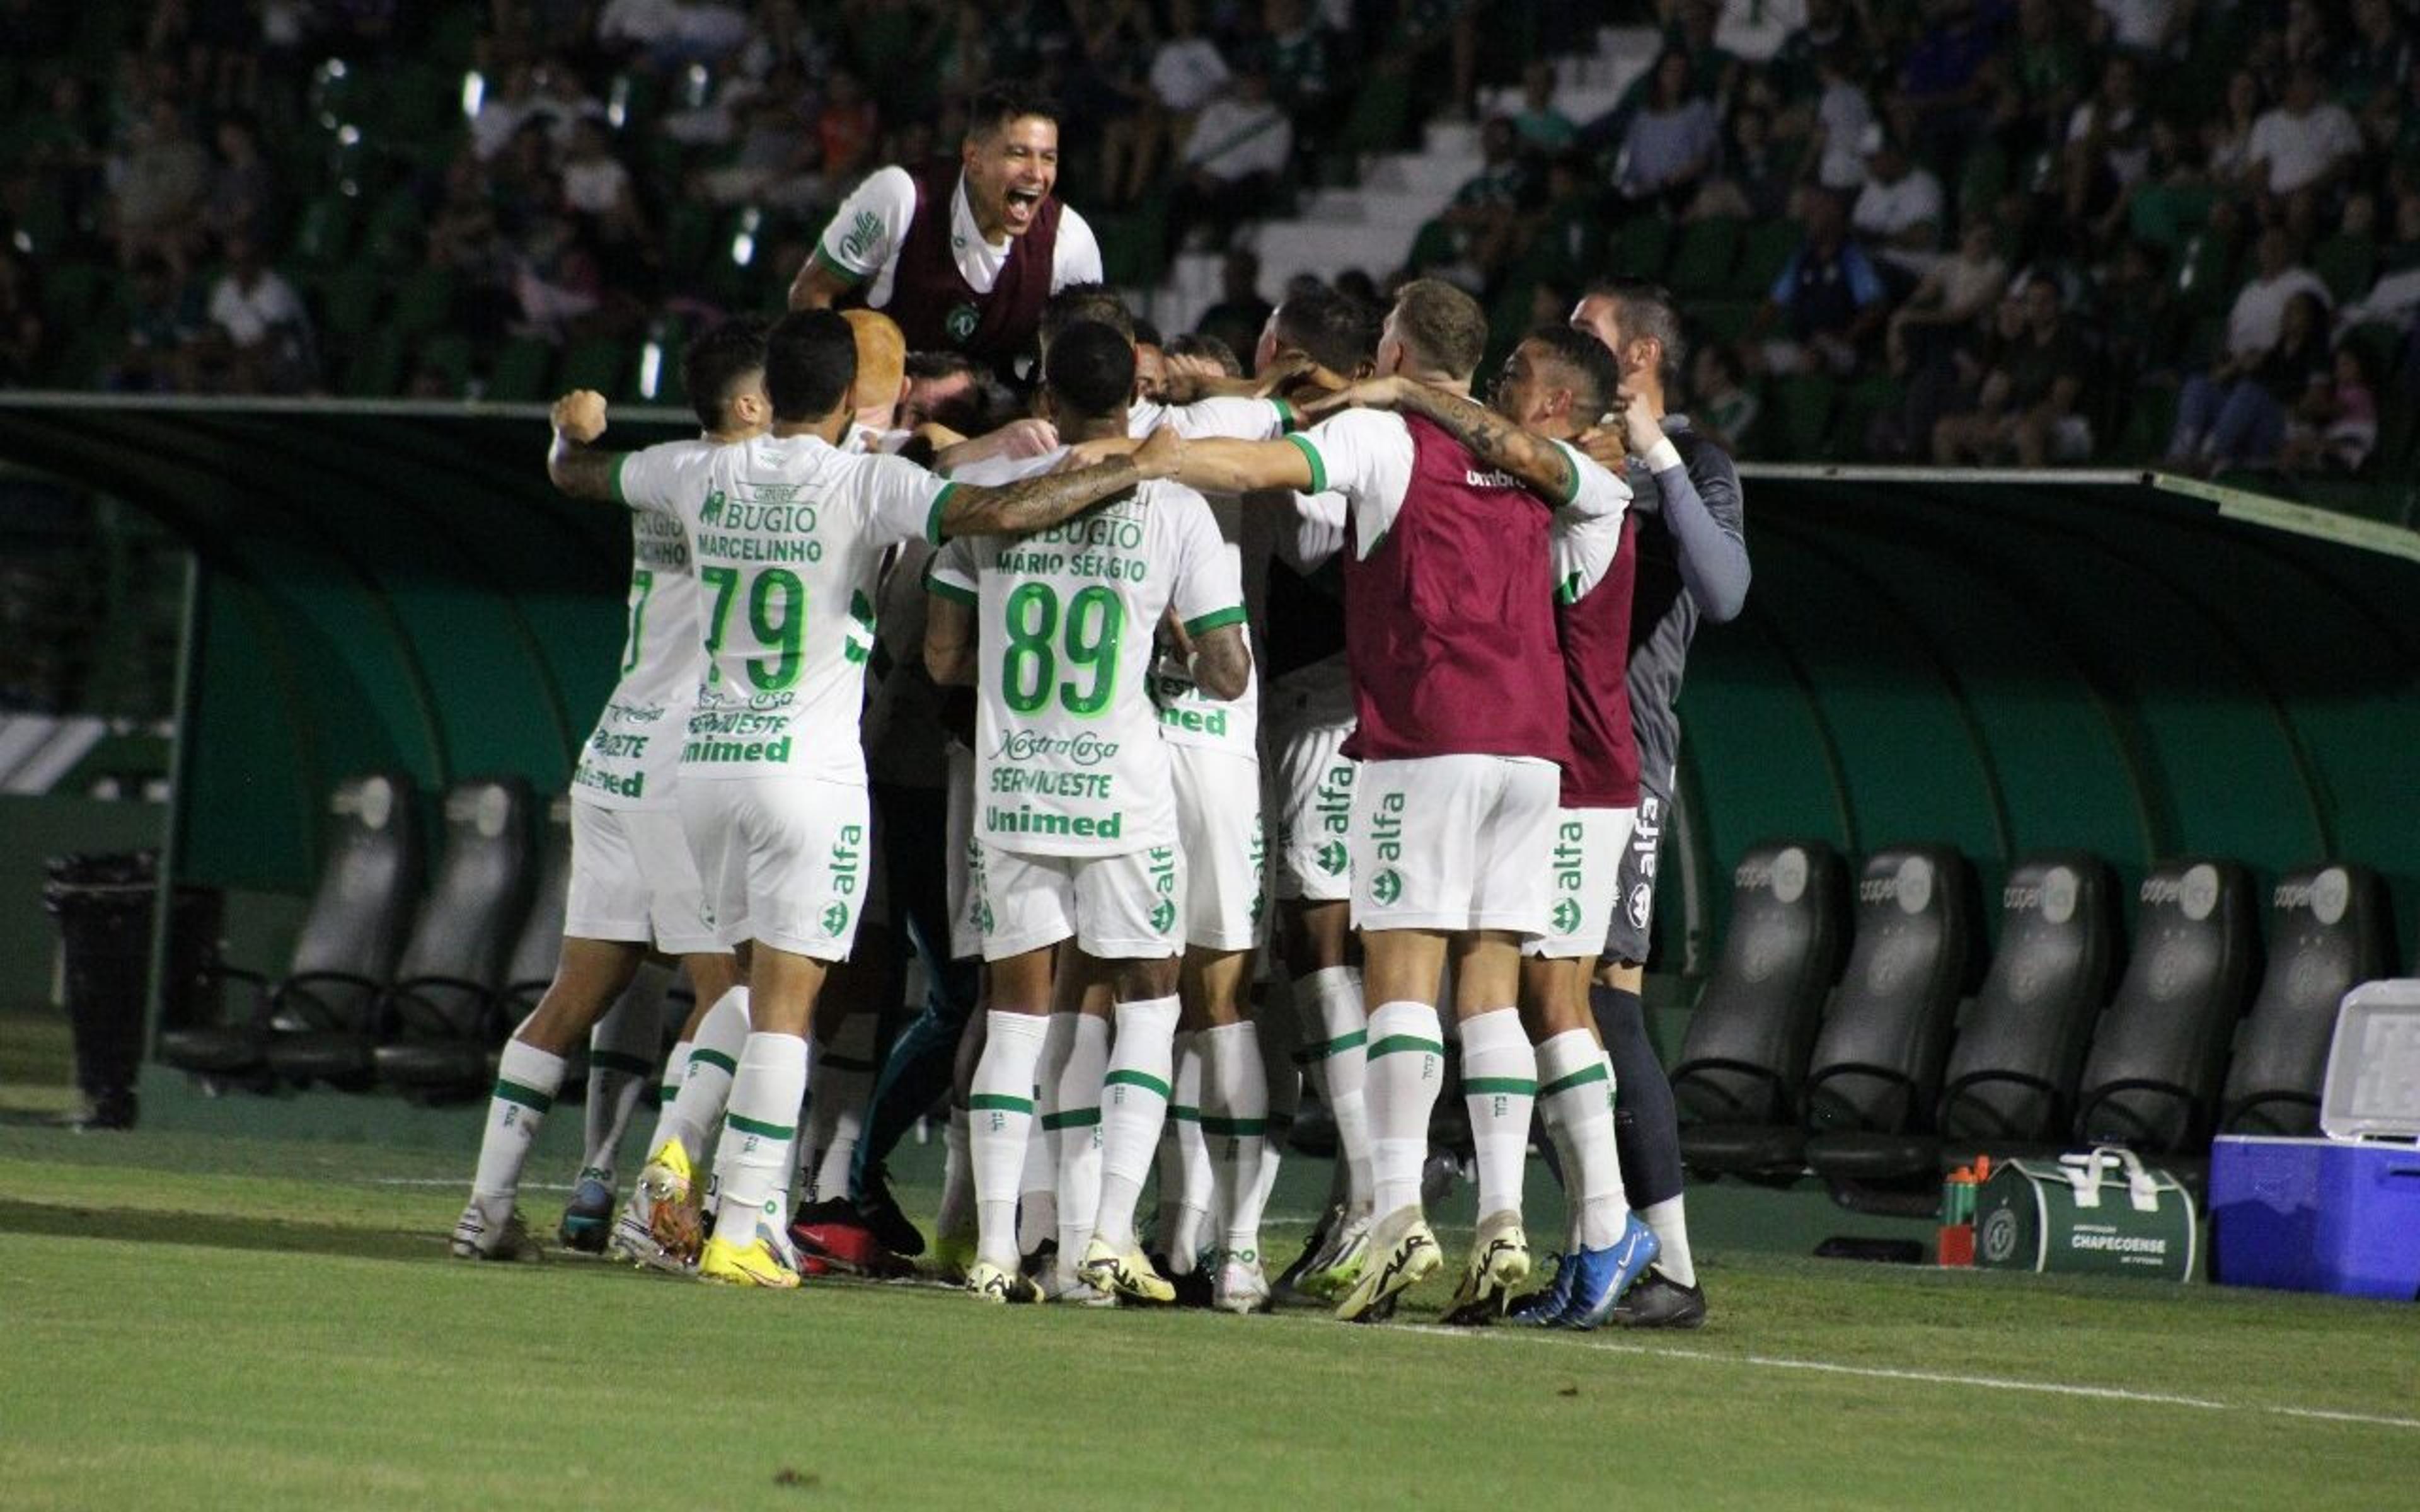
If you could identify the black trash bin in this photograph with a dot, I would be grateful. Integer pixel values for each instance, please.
(103, 906)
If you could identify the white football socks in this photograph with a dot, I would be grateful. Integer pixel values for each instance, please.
(1573, 1085)
(1134, 1100)
(1235, 1122)
(1195, 1197)
(1406, 1060)
(621, 1058)
(758, 1129)
(1500, 1087)
(1038, 1208)
(838, 1087)
(1077, 1124)
(1672, 1232)
(1338, 1034)
(999, 1116)
(527, 1079)
(692, 1113)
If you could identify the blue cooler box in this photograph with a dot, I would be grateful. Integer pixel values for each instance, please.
(2316, 1215)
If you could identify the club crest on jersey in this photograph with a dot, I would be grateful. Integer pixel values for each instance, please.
(1642, 901)
(710, 511)
(1332, 857)
(1387, 885)
(1567, 917)
(836, 919)
(960, 322)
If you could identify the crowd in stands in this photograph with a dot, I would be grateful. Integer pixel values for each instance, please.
(1950, 231)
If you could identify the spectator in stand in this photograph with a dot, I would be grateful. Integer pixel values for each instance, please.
(1724, 409)
(2301, 151)
(1956, 292)
(163, 320)
(2042, 78)
(2392, 122)
(1758, 173)
(1546, 131)
(2227, 138)
(1481, 224)
(1946, 78)
(1753, 31)
(2235, 414)
(2033, 385)
(2335, 427)
(672, 34)
(22, 332)
(261, 337)
(1240, 313)
(847, 130)
(1898, 211)
(1241, 143)
(2171, 201)
(2108, 142)
(1831, 26)
(1109, 99)
(1714, 70)
(1188, 71)
(1842, 117)
(1673, 143)
(1829, 300)
(2259, 309)
(158, 185)
(243, 189)
(1302, 72)
(2142, 29)
(2376, 61)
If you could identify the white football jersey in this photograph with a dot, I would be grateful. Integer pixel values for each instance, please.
(632, 757)
(1068, 750)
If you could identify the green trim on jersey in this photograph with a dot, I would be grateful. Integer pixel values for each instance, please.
(933, 520)
(847, 275)
(613, 480)
(1318, 468)
(1287, 416)
(1212, 620)
(950, 591)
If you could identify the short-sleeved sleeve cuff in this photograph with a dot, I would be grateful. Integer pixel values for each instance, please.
(1288, 417)
(1318, 468)
(1571, 484)
(1202, 624)
(933, 517)
(944, 588)
(613, 482)
(1663, 457)
(838, 269)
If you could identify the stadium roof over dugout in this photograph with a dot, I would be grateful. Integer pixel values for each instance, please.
(2137, 664)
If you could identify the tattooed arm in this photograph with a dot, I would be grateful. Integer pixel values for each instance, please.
(575, 463)
(1543, 467)
(1037, 502)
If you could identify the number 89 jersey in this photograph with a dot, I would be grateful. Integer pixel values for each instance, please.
(1069, 759)
(787, 534)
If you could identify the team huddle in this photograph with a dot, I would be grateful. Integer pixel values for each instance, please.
(1112, 717)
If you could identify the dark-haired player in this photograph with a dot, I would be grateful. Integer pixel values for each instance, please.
(961, 254)
(787, 532)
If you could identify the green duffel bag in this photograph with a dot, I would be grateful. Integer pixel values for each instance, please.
(2100, 1211)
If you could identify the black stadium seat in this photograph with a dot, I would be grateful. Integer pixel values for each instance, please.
(346, 948)
(2010, 1081)
(2329, 932)
(1744, 1057)
(1877, 1064)
(438, 1018)
(2152, 1079)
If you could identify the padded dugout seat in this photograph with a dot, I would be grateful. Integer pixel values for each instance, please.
(438, 1019)
(1877, 1061)
(2151, 1082)
(2329, 932)
(346, 950)
(2012, 1073)
(1744, 1057)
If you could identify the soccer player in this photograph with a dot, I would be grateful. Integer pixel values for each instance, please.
(1078, 830)
(962, 257)
(788, 533)
(1693, 565)
(1557, 381)
(1460, 725)
(632, 879)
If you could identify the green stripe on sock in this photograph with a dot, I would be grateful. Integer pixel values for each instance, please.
(1183, 1114)
(1395, 1043)
(1337, 1046)
(999, 1102)
(528, 1097)
(761, 1131)
(1137, 1078)
(613, 1060)
(1071, 1119)
(1490, 1086)
(1578, 1078)
(717, 1059)
(849, 1063)
(1245, 1127)
(668, 1091)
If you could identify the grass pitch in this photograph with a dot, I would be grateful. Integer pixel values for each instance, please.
(218, 1321)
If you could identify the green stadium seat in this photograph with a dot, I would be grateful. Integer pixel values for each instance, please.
(2150, 418)
(448, 354)
(72, 291)
(398, 233)
(1724, 319)
(600, 362)
(2347, 264)
(1703, 256)
(520, 372)
(1798, 416)
(424, 301)
(349, 300)
(324, 235)
(1860, 403)
(1382, 113)
(1640, 248)
(376, 368)
(1765, 251)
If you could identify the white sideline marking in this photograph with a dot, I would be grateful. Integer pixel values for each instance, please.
(1932, 1377)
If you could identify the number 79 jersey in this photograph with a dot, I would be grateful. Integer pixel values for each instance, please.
(787, 534)
(1069, 758)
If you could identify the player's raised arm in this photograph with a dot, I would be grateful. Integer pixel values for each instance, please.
(1543, 468)
(574, 463)
(1038, 502)
(1244, 467)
